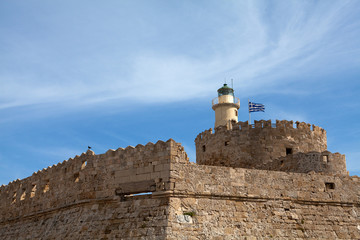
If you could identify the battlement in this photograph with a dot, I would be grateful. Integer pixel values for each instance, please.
(256, 146)
(116, 173)
(280, 125)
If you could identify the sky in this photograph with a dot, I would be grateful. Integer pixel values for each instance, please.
(110, 74)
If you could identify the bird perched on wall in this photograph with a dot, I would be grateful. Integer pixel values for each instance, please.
(89, 147)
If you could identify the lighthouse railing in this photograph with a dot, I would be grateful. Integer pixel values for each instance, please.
(235, 100)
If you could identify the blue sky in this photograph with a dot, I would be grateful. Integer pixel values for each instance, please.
(115, 73)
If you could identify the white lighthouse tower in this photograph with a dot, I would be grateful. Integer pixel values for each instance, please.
(226, 106)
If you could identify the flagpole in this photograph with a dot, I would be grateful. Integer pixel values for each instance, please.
(249, 112)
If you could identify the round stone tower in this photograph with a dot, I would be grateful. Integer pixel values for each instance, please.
(226, 106)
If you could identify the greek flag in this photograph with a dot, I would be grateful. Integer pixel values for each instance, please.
(256, 107)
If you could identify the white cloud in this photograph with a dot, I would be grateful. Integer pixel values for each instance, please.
(264, 44)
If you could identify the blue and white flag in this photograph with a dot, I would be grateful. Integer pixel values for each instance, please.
(256, 107)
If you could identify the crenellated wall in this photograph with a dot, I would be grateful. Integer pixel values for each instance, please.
(154, 192)
(83, 191)
(254, 146)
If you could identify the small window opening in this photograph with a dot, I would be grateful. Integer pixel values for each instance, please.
(83, 165)
(227, 143)
(46, 188)
(33, 190)
(325, 158)
(289, 151)
(282, 162)
(14, 198)
(329, 185)
(22, 197)
(236, 113)
(140, 194)
(204, 148)
(287, 209)
(123, 197)
(76, 176)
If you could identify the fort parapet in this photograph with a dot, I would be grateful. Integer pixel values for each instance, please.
(260, 146)
(95, 197)
(71, 194)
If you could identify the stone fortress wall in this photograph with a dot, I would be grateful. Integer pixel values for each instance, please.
(95, 196)
(86, 195)
(322, 162)
(238, 203)
(267, 146)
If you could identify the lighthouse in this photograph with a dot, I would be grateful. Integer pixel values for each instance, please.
(226, 106)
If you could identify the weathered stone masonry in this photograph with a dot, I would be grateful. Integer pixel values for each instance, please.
(94, 196)
(268, 146)
(238, 203)
(90, 196)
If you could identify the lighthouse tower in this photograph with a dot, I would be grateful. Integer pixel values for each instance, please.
(226, 106)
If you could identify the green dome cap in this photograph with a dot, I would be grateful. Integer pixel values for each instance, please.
(225, 90)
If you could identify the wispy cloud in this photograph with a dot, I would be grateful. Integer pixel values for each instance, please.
(261, 44)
